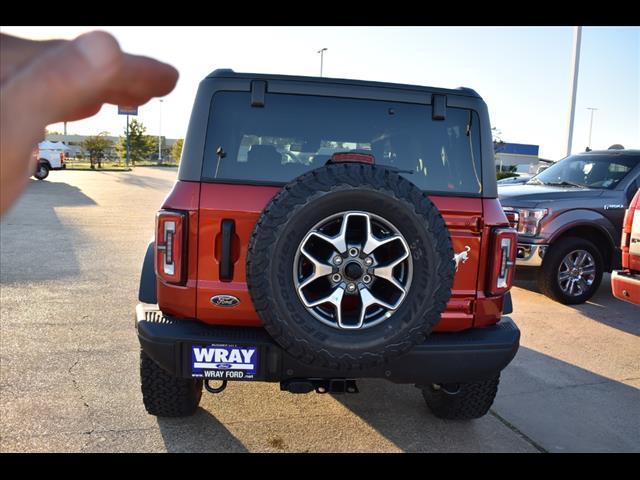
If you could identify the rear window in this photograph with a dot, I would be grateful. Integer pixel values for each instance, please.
(293, 134)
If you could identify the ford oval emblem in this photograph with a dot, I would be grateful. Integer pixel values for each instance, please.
(225, 301)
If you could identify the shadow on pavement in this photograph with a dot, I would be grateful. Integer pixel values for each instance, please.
(56, 194)
(565, 408)
(400, 414)
(558, 406)
(603, 307)
(34, 244)
(200, 433)
(145, 181)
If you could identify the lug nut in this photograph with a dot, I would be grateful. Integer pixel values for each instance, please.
(336, 277)
(368, 261)
(353, 252)
(366, 278)
(351, 287)
(337, 260)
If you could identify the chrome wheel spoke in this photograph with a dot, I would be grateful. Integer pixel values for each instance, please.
(338, 242)
(562, 276)
(372, 242)
(582, 284)
(369, 300)
(386, 272)
(320, 269)
(335, 298)
(580, 258)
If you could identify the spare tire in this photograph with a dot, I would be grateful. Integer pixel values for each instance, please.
(350, 265)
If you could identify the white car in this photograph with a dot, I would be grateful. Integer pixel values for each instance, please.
(51, 156)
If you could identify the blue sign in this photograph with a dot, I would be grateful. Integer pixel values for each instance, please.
(124, 110)
(516, 148)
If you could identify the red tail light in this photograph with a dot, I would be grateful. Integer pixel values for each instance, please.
(61, 157)
(340, 157)
(171, 247)
(627, 225)
(503, 262)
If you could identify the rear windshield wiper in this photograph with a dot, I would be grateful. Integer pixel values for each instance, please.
(565, 183)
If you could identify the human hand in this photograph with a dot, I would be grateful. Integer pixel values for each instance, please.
(45, 82)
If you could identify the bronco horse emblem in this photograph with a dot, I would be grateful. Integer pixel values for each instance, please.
(462, 257)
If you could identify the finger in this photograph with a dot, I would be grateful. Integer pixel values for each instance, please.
(140, 79)
(16, 52)
(75, 77)
(68, 77)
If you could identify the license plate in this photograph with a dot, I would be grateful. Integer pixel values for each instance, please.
(224, 362)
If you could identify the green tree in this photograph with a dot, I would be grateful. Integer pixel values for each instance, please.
(176, 150)
(97, 146)
(140, 145)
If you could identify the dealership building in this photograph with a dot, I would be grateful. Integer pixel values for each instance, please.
(522, 156)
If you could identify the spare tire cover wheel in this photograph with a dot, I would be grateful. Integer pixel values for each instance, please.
(350, 265)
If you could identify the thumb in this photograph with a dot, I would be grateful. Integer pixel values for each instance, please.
(68, 78)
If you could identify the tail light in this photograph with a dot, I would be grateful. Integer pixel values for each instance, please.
(503, 253)
(171, 247)
(61, 157)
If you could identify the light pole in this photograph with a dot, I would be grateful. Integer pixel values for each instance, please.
(321, 52)
(590, 125)
(577, 36)
(160, 136)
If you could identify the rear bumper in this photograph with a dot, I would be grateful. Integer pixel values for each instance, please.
(626, 286)
(472, 355)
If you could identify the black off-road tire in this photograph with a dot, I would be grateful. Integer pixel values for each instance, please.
(42, 171)
(547, 275)
(308, 200)
(164, 395)
(464, 401)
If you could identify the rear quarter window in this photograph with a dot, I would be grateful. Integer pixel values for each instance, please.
(293, 134)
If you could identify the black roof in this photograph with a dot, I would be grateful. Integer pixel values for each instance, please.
(228, 73)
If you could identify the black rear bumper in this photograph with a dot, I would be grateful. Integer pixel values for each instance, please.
(472, 355)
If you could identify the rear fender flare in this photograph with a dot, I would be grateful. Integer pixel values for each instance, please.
(147, 292)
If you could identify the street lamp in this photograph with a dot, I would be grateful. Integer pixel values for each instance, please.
(160, 136)
(590, 126)
(321, 52)
(577, 36)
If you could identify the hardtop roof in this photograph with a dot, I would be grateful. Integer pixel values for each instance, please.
(228, 73)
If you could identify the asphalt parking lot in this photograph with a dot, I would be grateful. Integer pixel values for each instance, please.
(71, 252)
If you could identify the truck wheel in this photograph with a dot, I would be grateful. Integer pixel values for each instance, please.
(463, 401)
(42, 171)
(571, 271)
(350, 265)
(165, 395)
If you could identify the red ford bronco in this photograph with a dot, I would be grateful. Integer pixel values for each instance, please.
(324, 230)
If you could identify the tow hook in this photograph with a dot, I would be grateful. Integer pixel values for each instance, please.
(211, 389)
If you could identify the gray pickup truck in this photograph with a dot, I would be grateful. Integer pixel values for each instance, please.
(569, 220)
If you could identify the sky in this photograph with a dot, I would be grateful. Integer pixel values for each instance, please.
(523, 73)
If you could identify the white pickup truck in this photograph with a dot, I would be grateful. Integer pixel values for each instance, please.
(50, 156)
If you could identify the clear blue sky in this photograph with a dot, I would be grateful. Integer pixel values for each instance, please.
(523, 73)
